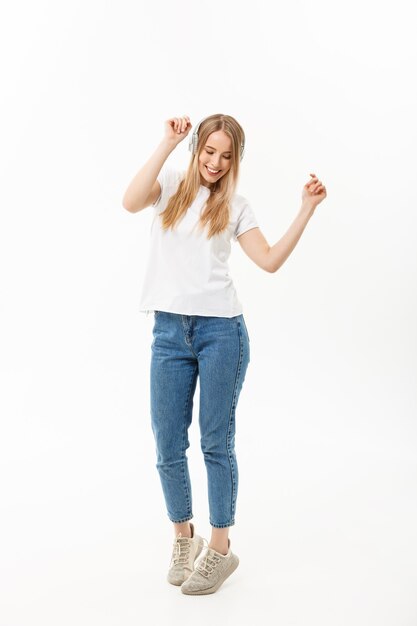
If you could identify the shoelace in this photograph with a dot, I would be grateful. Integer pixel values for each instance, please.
(207, 564)
(181, 549)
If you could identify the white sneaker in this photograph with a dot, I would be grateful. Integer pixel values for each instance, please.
(211, 571)
(184, 553)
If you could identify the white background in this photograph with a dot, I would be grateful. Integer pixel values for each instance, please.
(326, 421)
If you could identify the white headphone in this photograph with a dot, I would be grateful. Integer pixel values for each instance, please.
(192, 146)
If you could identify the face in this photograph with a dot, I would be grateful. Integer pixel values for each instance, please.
(216, 155)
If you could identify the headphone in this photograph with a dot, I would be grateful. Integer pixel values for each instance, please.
(192, 146)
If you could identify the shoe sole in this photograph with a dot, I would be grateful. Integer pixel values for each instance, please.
(199, 549)
(217, 585)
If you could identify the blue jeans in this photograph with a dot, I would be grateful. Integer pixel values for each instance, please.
(217, 350)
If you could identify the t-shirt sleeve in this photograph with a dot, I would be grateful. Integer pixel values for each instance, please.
(168, 178)
(246, 221)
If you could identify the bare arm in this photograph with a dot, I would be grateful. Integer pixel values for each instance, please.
(279, 252)
(270, 258)
(267, 257)
(144, 189)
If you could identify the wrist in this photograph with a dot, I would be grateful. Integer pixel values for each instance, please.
(306, 210)
(168, 144)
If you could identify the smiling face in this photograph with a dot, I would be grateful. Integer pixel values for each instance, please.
(215, 155)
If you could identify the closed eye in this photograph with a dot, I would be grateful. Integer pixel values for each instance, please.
(229, 157)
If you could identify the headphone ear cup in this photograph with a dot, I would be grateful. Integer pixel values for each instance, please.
(194, 138)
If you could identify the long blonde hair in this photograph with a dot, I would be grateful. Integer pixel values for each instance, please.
(216, 213)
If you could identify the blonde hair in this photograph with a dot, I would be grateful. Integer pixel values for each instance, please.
(216, 213)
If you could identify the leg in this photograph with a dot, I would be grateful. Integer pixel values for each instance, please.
(184, 529)
(223, 361)
(219, 540)
(173, 379)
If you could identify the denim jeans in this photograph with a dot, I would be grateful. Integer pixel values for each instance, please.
(217, 350)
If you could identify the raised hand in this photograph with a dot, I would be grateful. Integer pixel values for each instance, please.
(177, 128)
(313, 193)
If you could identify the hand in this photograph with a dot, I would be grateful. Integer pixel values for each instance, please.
(177, 128)
(313, 193)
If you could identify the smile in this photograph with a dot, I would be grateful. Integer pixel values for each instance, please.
(212, 172)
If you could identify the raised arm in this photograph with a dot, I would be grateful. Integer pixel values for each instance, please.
(270, 258)
(144, 189)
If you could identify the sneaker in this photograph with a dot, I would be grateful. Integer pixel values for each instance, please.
(184, 553)
(211, 571)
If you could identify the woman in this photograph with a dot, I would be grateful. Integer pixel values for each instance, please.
(199, 328)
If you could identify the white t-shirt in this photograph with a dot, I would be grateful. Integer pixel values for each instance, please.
(186, 272)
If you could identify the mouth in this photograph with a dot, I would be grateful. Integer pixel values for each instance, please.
(212, 172)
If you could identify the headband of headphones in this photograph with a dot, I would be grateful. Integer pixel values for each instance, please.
(192, 146)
